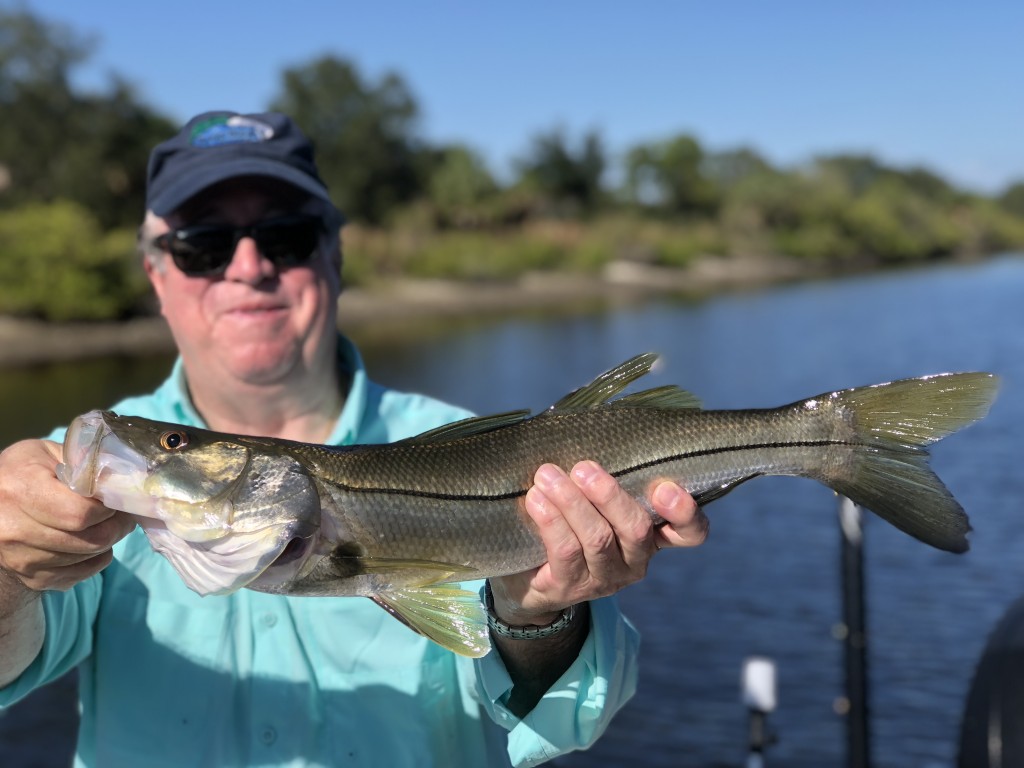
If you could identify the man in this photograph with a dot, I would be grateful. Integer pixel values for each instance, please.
(240, 242)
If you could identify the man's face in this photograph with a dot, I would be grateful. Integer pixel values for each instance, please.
(255, 323)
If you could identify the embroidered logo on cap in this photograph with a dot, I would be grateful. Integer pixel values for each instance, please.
(225, 129)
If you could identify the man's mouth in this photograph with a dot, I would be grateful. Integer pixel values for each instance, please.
(257, 308)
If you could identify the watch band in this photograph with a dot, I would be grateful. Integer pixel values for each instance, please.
(529, 631)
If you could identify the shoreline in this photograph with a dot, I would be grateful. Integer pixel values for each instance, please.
(396, 306)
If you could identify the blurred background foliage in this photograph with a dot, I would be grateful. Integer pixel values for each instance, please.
(72, 184)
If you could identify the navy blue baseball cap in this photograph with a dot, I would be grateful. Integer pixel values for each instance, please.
(216, 146)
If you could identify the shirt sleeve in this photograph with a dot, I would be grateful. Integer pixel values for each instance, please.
(577, 709)
(68, 640)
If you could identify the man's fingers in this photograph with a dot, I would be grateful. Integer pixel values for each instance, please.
(545, 504)
(685, 525)
(29, 562)
(103, 535)
(89, 541)
(65, 510)
(43, 557)
(64, 577)
(630, 525)
(55, 449)
(32, 488)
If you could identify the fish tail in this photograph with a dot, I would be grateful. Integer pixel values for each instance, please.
(887, 469)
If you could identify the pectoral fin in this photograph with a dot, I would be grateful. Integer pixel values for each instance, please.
(351, 560)
(450, 616)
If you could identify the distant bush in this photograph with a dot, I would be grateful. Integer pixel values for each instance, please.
(684, 245)
(986, 227)
(818, 241)
(417, 251)
(896, 224)
(479, 256)
(56, 264)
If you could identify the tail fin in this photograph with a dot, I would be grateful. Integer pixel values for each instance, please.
(889, 473)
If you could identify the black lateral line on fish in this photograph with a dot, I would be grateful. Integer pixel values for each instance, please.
(616, 473)
(727, 449)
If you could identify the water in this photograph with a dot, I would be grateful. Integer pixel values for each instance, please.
(767, 581)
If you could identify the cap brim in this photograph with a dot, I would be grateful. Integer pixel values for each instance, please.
(204, 174)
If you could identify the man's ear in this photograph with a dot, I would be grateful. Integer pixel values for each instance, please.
(156, 275)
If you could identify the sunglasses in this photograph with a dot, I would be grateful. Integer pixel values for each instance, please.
(206, 250)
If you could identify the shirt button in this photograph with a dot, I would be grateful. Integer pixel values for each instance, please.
(268, 735)
(269, 619)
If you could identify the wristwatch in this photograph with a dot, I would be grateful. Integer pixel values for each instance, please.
(529, 631)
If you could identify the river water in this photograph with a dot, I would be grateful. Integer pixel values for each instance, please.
(767, 581)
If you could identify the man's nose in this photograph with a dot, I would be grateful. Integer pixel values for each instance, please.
(247, 264)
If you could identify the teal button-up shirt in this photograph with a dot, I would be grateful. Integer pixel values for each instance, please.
(168, 678)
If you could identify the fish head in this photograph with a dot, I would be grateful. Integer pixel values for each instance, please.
(221, 508)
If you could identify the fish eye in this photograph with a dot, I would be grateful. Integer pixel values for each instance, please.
(173, 441)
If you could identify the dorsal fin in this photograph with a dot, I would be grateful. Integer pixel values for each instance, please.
(668, 396)
(474, 425)
(597, 392)
(608, 384)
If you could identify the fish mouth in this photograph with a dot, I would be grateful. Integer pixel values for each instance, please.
(98, 464)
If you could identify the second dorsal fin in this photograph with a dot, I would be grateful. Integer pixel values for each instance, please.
(606, 386)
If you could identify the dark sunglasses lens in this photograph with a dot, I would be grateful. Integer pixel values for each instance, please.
(288, 243)
(202, 252)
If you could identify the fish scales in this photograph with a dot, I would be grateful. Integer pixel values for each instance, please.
(405, 501)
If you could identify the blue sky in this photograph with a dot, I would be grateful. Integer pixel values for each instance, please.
(937, 83)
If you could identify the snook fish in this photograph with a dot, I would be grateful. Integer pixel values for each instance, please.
(403, 523)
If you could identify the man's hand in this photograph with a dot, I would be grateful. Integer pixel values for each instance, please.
(50, 537)
(598, 540)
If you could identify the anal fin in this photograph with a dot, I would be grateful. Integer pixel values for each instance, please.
(447, 614)
(713, 494)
